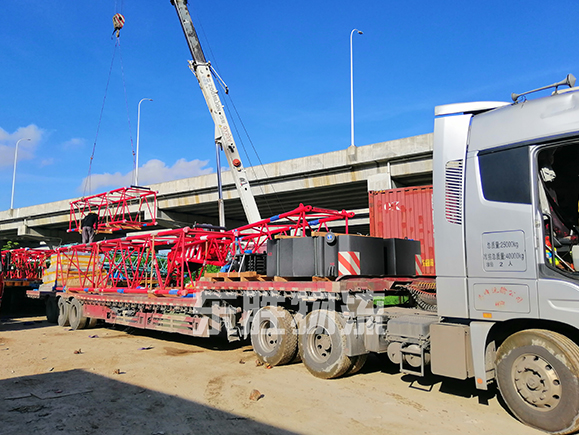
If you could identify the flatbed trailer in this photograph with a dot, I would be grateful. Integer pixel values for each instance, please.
(98, 303)
(268, 312)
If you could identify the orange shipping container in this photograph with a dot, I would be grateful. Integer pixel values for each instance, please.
(405, 213)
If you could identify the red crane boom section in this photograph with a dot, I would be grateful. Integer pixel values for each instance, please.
(167, 262)
(120, 209)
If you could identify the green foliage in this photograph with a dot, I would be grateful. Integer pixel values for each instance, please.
(211, 269)
(10, 245)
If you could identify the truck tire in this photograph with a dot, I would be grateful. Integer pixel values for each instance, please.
(358, 362)
(51, 310)
(299, 318)
(63, 306)
(538, 377)
(92, 322)
(75, 315)
(274, 336)
(323, 344)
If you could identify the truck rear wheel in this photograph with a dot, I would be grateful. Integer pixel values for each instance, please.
(63, 307)
(323, 344)
(274, 336)
(92, 322)
(358, 362)
(75, 315)
(538, 377)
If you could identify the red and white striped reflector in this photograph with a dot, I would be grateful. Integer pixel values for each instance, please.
(348, 263)
(418, 261)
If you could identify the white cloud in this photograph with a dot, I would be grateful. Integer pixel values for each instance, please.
(75, 142)
(47, 162)
(26, 148)
(154, 171)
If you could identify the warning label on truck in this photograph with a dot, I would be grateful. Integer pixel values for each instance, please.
(504, 251)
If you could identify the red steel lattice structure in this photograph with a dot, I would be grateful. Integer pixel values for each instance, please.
(25, 264)
(118, 209)
(131, 264)
(298, 222)
(135, 265)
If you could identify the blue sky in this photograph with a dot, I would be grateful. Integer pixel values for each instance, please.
(287, 65)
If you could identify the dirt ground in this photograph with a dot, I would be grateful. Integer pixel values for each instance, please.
(124, 381)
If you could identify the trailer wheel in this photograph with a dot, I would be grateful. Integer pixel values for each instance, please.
(538, 377)
(52, 311)
(75, 315)
(63, 308)
(92, 322)
(323, 345)
(274, 336)
(299, 318)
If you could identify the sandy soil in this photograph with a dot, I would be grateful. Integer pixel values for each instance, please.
(119, 381)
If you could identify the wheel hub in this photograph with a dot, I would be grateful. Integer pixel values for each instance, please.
(268, 336)
(537, 382)
(320, 344)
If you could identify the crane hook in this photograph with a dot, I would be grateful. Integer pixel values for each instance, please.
(118, 23)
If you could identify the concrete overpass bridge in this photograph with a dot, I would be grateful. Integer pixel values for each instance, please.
(335, 180)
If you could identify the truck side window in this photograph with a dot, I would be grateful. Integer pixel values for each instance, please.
(505, 175)
(559, 197)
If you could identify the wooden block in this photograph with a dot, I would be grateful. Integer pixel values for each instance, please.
(211, 275)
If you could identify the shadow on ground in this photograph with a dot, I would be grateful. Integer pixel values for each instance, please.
(16, 303)
(80, 402)
(456, 387)
(19, 312)
(22, 323)
(215, 342)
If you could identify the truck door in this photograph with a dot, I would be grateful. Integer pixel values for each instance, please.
(500, 233)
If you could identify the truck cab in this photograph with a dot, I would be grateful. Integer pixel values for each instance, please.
(506, 194)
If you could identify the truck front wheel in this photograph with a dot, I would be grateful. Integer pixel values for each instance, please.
(323, 344)
(274, 336)
(538, 377)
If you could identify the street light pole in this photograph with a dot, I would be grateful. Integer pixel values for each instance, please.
(14, 173)
(136, 183)
(352, 83)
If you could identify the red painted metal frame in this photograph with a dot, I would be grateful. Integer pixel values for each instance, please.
(25, 264)
(298, 222)
(114, 209)
(130, 265)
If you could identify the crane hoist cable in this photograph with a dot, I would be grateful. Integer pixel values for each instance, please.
(127, 106)
(264, 196)
(230, 99)
(87, 183)
(118, 23)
